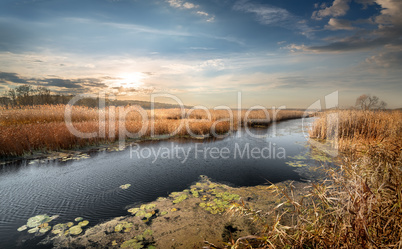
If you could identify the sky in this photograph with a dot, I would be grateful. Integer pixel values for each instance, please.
(276, 53)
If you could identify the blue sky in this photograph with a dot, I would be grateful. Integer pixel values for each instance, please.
(275, 52)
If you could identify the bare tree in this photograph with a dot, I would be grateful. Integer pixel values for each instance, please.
(13, 96)
(368, 102)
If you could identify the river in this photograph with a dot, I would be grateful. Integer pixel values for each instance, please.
(89, 188)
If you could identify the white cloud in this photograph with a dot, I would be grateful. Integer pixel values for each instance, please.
(338, 8)
(215, 64)
(295, 48)
(202, 13)
(271, 15)
(180, 4)
(188, 5)
(175, 3)
(391, 59)
(265, 14)
(339, 24)
(390, 12)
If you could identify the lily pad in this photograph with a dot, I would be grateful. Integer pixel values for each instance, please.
(83, 223)
(54, 217)
(125, 186)
(180, 198)
(75, 230)
(33, 230)
(174, 194)
(45, 229)
(78, 219)
(140, 213)
(38, 220)
(22, 228)
(133, 210)
(148, 215)
(70, 224)
(150, 206)
(118, 228)
(132, 243)
(59, 228)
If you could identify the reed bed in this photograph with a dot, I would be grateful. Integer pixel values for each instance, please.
(43, 128)
(359, 205)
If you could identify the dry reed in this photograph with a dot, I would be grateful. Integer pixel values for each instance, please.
(43, 128)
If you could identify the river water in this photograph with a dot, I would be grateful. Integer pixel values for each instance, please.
(89, 188)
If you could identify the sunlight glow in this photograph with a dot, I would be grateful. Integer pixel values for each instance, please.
(130, 80)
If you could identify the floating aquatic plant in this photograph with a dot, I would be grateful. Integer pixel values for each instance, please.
(38, 220)
(75, 230)
(83, 223)
(132, 243)
(150, 206)
(124, 225)
(180, 198)
(174, 194)
(59, 228)
(194, 192)
(163, 213)
(33, 230)
(140, 213)
(44, 230)
(125, 186)
(133, 210)
(22, 228)
(218, 201)
(70, 224)
(148, 215)
(78, 219)
(118, 228)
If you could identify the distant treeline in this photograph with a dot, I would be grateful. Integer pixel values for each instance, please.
(27, 95)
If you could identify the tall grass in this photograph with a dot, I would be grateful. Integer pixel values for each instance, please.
(43, 128)
(359, 205)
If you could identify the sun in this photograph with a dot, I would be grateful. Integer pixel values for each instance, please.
(130, 80)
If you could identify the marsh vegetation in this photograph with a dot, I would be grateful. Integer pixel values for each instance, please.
(358, 204)
(24, 130)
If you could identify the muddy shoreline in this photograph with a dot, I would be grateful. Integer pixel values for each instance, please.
(185, 219)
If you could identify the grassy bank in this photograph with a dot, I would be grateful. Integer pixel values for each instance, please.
(43, 128)
(359, 205)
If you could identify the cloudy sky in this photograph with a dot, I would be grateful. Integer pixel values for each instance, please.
(288, 52)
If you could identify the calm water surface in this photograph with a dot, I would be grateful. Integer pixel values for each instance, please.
(89, 188)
